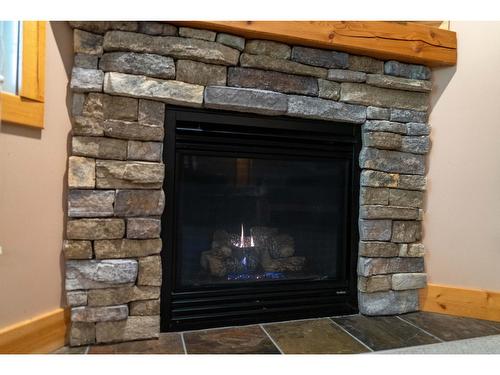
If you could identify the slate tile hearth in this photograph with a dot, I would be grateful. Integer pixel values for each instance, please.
(336, 335)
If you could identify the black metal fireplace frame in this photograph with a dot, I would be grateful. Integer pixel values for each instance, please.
(232, 133)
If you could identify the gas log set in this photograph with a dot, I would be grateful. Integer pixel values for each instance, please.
(265, 254)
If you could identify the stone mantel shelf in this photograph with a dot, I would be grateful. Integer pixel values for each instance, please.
(402, 41)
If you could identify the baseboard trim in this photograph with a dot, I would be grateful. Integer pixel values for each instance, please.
(451, 300)
(42, 334)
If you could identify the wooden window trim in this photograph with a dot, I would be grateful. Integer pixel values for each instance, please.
(27, 108)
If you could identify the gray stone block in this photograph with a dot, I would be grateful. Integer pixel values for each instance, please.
(360, 93)
(280, 65)
(200, 73)
(245, 100)
(268, 48)
(365, 64)
(86, 80)
(388, 303)
(78, 298)
(176, 47)
(120, 108)
(272, 81)
(418, 128)
(405, 281)
(373, 284)
(142, 308)
(392, 161)
(406, 198)
(343, 75)
(146, 64)
(387, 212)
(86, 61)
(321, 109)
(411, 250)
(87, 43)
(110, 249)
(406, 115)
(151, 112)
(81, 173)
(170, 92)
(133, 328)
(143, 228)
(147, 151)
(379, 179)
(157, 28)
(416, 144)
(232, 41)
(378, 113)
(112, 174)
(90, 203)
(96, 274)
(99, 147)
(412, 182)
(87, 126)
(121, 295)
(188, 32)
(77, 249)
(328, 89)
(385, 126)
(131, 203)
(375, 230)
(99, 314)
(77, 102)
(95, 229)
(150, 271)
(100, 27)
(397, 83)
(378, 249)
(320, 57)
(372, 195)
(406, 231)
(382, 140)
(396, 68)
(132, 130)
(380, 266)
(94, 106)
(82, 334)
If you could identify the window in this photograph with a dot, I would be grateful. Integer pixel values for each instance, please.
(22, 67)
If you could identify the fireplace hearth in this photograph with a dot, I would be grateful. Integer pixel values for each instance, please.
(261, 219)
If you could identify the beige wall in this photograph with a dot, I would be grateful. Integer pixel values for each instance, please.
(32, 186)
(462, 221)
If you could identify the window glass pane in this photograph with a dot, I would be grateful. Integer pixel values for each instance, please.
(10, 55)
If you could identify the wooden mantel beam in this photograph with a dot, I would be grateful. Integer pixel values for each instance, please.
(403, 41)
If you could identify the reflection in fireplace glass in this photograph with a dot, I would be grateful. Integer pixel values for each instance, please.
(259, 219)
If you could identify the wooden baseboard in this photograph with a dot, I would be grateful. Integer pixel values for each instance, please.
(472, 303)
(42, 334)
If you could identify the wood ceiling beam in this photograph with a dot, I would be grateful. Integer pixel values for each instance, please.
(403, 41)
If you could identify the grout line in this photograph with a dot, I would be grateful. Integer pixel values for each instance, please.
(423, 330)
(183, 343)
(350, 334)
(270, 338)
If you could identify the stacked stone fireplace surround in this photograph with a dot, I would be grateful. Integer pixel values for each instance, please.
(124, 75)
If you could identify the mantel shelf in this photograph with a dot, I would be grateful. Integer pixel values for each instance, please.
(404, 41)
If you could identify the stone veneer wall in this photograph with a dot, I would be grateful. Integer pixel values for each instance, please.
(125, 72)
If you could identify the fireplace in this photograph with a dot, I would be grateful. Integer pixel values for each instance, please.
(261, 219)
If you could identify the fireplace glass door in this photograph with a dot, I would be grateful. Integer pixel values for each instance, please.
(254, 219)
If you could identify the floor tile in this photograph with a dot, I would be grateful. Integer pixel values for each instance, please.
(70, 350)
(448, 327)
(318, 336)
(381, 333)
(238, 340)
(168, 343)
